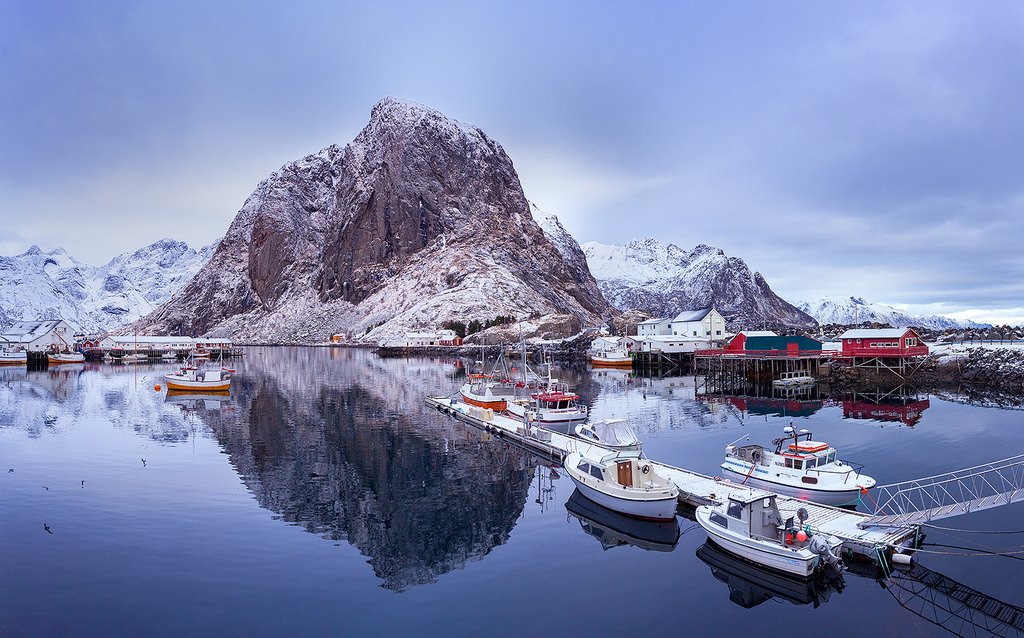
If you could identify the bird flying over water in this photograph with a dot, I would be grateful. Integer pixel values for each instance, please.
(143, 462)
(46, 528)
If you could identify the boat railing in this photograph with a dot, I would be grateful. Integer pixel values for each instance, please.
(855, 469)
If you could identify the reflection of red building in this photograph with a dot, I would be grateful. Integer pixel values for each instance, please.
(773, 406)
(906, 410)
(883, 342)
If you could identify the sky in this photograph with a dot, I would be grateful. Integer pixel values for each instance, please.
(873, 149)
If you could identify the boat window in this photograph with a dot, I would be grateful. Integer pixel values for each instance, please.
(789, 463)
(596, 473)
(718, 519)
(832, 457)
(809, 479)
(798, 464)
(735, 510)
(584, 466)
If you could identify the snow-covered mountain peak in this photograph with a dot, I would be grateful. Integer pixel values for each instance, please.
(856, 310)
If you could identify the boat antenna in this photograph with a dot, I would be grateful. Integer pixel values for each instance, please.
(745, 436)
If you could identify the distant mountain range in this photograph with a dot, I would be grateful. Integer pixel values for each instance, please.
(855, 310)
(53, 284)
(664, 279)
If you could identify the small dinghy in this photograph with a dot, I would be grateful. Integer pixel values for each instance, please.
(798, 467)
(749, 525)
(199, 380)
(625, 483)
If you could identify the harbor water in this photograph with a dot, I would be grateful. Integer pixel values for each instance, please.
(322, 497)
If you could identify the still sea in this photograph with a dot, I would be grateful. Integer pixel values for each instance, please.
(322, 497)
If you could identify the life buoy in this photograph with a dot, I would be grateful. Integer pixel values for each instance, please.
(646, 469)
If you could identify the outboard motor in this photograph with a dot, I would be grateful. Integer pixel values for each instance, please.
(821, 546)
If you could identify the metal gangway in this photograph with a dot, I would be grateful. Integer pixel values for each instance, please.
(959, 609)
(959, 492)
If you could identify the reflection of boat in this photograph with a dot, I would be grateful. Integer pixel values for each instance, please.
(65, 357)
(750, 585)
(625, 483)
(805, 469)
(612, 529)
(134, 358)
(748, 524)
(169, 356)
(199, 380)
(613, 433)
(13, 358)
(794, 379)
(193, 400)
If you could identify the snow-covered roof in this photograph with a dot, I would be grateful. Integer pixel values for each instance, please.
(692, 315)
(148, 339)
(757, 333)
(874, 333)
(651, 322)
(665, 338)
(30, 330)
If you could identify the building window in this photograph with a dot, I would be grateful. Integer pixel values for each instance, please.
(695, 333)
(718, 332)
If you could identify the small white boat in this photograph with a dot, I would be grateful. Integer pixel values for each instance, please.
(193, 379)
(200, 354)
(134, 358)
(169, 356)
(749, 525)
(613, 433)
(794, 378)
(625, 483)
(13, 358)
(612, 358)
(65, 357)
(798, 467)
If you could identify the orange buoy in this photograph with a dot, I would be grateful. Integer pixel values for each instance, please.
(157, 387)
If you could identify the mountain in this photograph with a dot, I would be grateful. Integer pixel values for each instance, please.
(855, 310)
(53, 284)
(420, 219)
(664, 279)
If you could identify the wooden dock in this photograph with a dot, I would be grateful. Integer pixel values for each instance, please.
(695, 489)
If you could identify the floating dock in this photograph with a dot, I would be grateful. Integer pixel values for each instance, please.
(695, 489)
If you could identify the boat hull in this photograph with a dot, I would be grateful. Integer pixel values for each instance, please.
(611, 362)
(770, 555)
(663, 509)
(13, 361)
(176, 383)
(497, 406)
(58, 359)
(848, 496)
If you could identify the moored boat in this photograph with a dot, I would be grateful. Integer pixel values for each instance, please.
(13, 358)
(193, 379)
(65, 357)
(798, 467)
(787, 379)
(611, 358)
(484, 392)
(625, 483)
(748, 524)
(170, 355)
(613, 433)
(134, 358)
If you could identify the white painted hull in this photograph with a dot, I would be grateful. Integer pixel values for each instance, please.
(612, 361)
(800, 563)
(663, 509)
(66, 358)
(13, 359)
(838, 495)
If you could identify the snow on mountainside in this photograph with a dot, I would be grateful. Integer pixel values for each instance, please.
(855, 310)
(419, 220)
(53, 284)
(665, 280)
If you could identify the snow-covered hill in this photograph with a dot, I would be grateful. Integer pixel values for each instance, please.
(855, 310)
(665, 279)
(53, 284)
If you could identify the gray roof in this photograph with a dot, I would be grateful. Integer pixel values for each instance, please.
(692, 315)
(30, 330)
(874, 333)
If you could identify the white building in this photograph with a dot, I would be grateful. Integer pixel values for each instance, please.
(669, 343)
(214, 343)
(654, 327)
(39, 336)
(706, 323)
(146, 342)
(415, 339)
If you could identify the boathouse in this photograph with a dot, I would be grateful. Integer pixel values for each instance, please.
(706, 322)
(40, 335)
(418, 339)
(767, 342)
(132, 343)
(882, 342)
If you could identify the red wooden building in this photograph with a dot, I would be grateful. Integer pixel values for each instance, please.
(882, 342)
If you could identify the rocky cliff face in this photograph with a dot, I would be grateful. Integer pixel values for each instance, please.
(418, 220)
(665, 280)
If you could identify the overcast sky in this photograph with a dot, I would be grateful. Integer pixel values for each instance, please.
(859, 148)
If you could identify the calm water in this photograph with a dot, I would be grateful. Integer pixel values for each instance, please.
(322, 497)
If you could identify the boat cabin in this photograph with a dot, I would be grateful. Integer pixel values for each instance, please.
(556, 400)
(754, 513)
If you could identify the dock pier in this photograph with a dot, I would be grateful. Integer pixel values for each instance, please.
(860, 540)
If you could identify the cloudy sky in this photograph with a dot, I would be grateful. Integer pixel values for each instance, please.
(859, 148)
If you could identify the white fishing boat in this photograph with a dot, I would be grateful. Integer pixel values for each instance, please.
(613, 433)
(611, 358)
(788, 379)
(624, 482)
(13, 358)
(65, 357)
(553, 404)
(134, 358)
(170, 355)
(798, 467)
(194, 379)
(748, 524)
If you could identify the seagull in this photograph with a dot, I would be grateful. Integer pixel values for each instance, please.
(46, 488)
(143, 462)
(10, 470)
(83, 484)
(47, 528)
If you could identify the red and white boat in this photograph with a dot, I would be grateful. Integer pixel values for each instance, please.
(550, 405)
(195, 379)
(611, 358)
(65, 357)
(484, 392)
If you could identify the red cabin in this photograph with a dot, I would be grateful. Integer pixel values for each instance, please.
(883, 342)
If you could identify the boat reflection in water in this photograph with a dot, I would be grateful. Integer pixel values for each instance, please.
(750, 585)
(197, 400)
(612, 529)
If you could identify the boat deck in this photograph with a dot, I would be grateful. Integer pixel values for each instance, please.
(695, 489)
